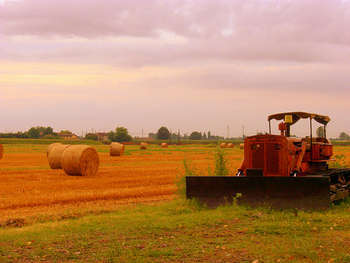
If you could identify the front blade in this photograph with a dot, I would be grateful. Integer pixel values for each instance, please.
(309, 192)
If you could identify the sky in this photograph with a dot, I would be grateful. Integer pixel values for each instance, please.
(93, 65)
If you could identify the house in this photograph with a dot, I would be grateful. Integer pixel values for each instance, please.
(67, 135)
(102, 136)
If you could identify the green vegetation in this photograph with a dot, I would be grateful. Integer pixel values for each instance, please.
(121, 134)
(220, 163)
(182, 232)
(344, 136)
(163, 133)
(196, 135)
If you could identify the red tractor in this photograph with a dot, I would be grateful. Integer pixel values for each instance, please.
(279, 171)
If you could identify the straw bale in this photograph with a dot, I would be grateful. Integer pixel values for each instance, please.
(143, 145)
(80, 160)
(52, 145)
(55, 155)
(116, 149)
(164, 145)
(230, 145)
(1, 151)
(223, 145)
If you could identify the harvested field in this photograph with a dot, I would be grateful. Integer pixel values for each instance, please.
(30, 190)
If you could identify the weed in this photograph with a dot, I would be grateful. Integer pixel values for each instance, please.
(220, 163)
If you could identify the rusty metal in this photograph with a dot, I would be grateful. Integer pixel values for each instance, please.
(309, 192)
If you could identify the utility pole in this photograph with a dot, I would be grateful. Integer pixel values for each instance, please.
(243, 136)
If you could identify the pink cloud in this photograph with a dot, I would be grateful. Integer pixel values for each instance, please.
(301, 30)
(247, 56)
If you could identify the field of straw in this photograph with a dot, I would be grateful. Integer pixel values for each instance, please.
(31, 191)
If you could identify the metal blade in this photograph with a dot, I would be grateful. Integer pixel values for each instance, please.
(309, 192)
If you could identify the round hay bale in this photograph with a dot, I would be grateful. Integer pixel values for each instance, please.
(241, 146)
(230, 145)
(223, 145)
(164, 145)
(55, 155)
(52, 145)
(80, 160)
(143, 145)
(116, 149)
(1, 151)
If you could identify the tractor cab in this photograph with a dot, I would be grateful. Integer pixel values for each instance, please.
(283, 155)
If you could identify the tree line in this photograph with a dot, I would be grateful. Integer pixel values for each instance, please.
(121, 134)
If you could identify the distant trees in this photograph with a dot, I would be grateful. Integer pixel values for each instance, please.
(34, 133)
(121, 134)
(163, 133)
(195, 135)
(344, 136)
(39, 131)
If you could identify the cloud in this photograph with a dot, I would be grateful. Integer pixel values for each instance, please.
(196, 63)
(301, 30)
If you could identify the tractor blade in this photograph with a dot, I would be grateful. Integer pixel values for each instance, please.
(309, 192)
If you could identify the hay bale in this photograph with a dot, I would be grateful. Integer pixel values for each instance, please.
(164, 145)
(241, 146)
(80, 160)
(116, 149)
(1, 151)
(55, 155)
(51, 146)
(230, 145)
(223, 145)
(143, 145)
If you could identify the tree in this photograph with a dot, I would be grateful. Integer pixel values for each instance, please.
(111, 136)
(196, 135)
(344, 136)
(48, 131)
(39, 131)
(209, 135)
(33, 132)
(320, 132)
(163, 133)
(122, 135)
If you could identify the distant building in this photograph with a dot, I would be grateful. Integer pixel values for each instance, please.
(102, 136)
(66, 135)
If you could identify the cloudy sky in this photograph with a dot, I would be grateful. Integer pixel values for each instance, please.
(186, 64)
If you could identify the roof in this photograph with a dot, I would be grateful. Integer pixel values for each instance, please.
(301, 115)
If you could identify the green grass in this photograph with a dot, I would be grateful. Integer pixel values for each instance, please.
(183, 232)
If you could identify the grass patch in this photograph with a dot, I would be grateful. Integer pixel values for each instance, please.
(179, 231)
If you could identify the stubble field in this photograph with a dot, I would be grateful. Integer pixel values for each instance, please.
(31, 191)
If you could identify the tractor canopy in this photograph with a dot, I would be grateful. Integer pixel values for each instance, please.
(296, 116)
